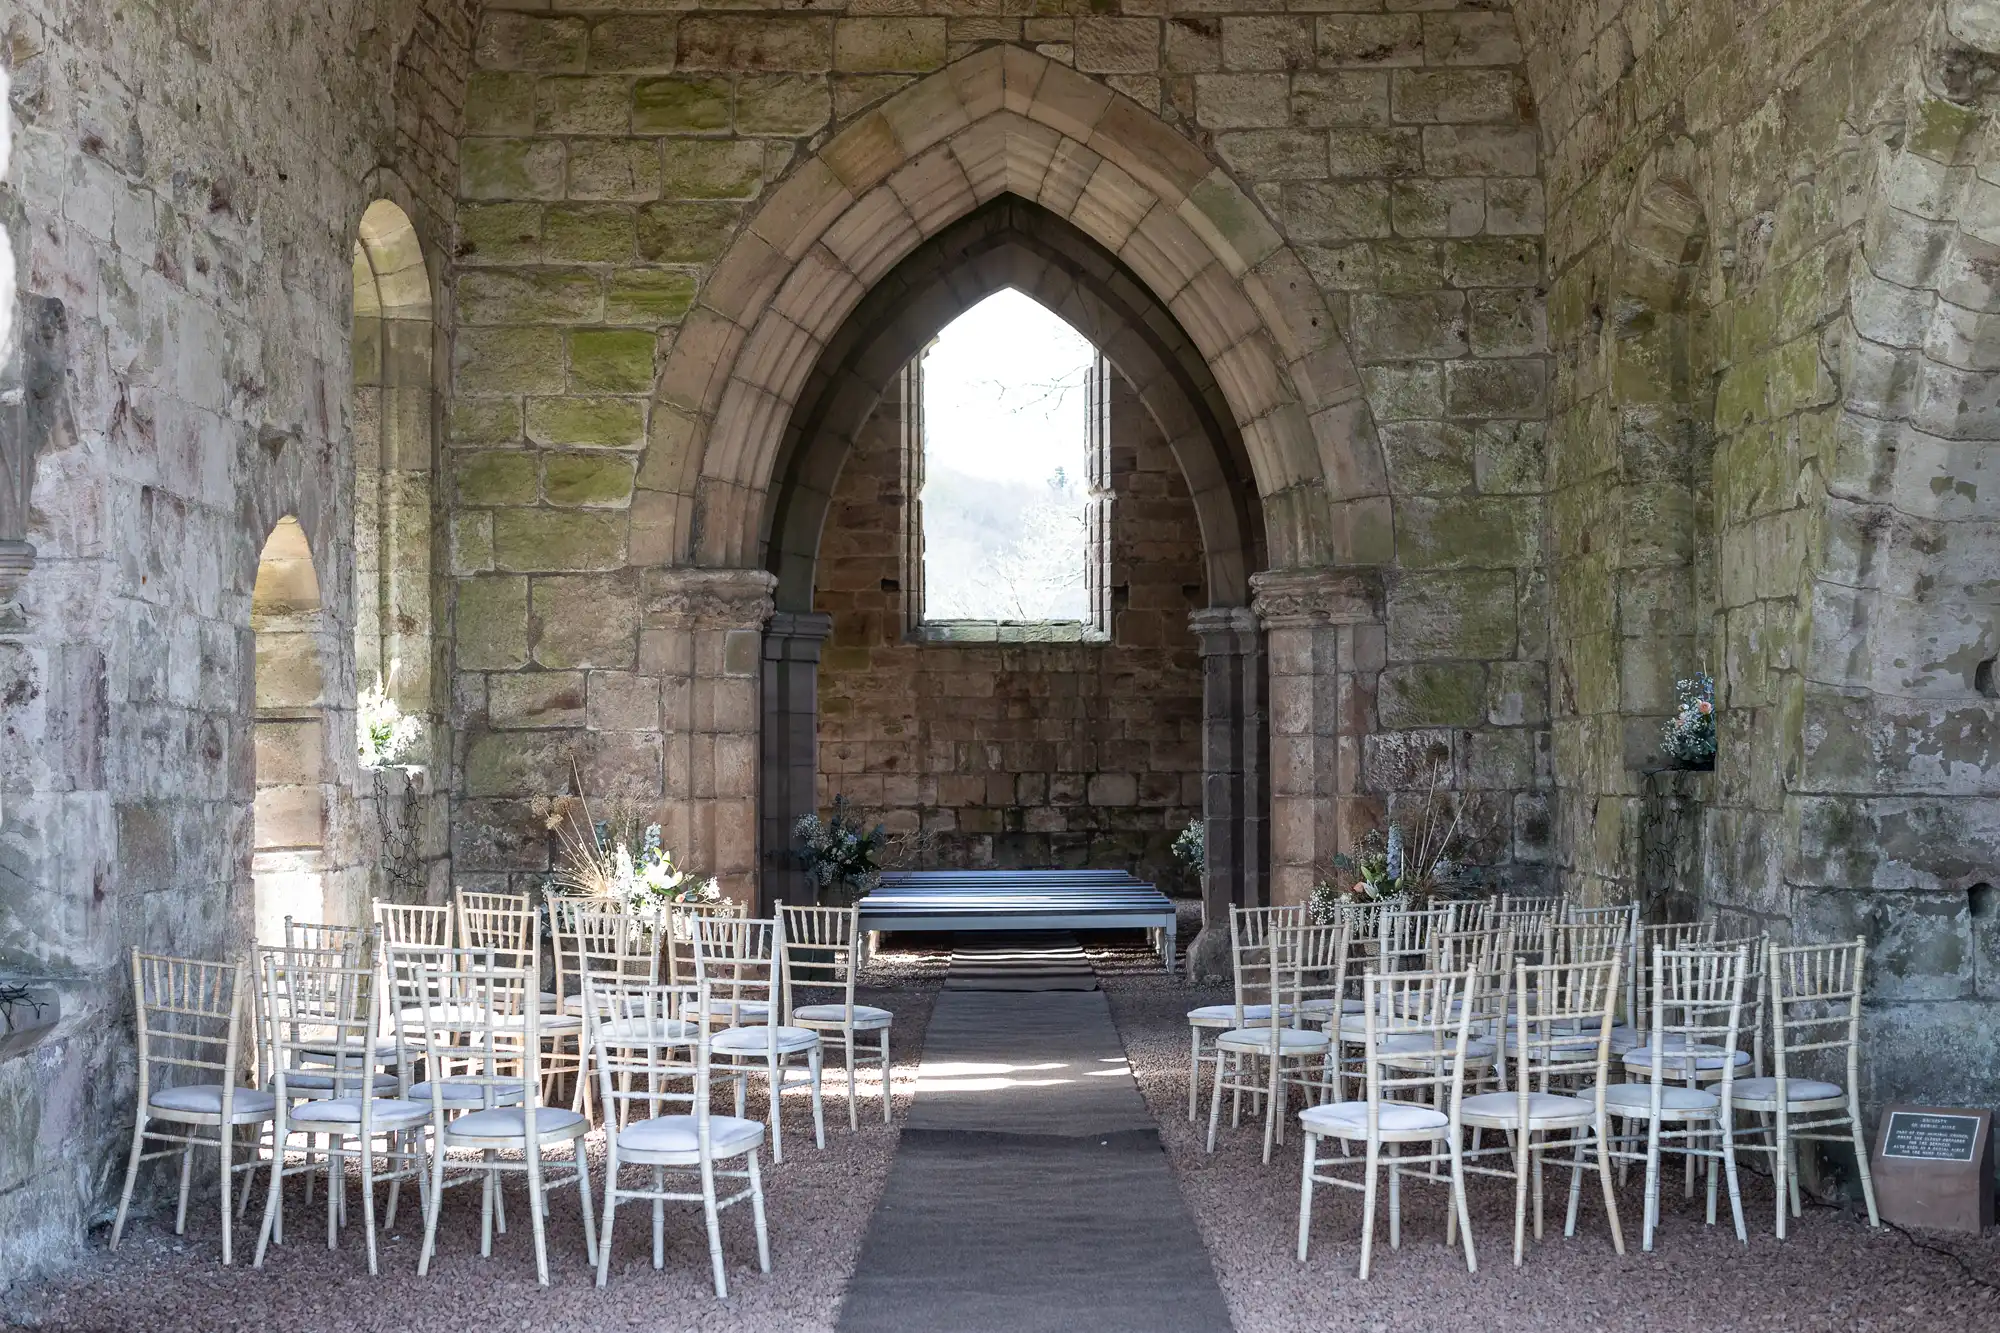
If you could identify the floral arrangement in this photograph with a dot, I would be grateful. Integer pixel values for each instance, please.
(1396, 867)
(1689, 735)
(386, 734)
(607, 853)
(839, 853)
(1191, 848)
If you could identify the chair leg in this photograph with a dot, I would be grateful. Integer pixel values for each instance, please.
(777, 1074)
(434, 1203)
(610, 1207)
(1780, 1165)
(583, 1193)
(187, 1177)
(886, 1116)
(1368, 1207)
(131, 1177)
(535, 1203)
(1652, 1210)
(486, 1192)
(1520, 1196)
(227, 1137)
(274, 1192)
(815, 1061)
(659, 1220)
(848, 1060)
(1194, 1070)
(1861, 1157)
(1575, 1182)
(1395, 1198)
(1729, 1169)
(757, 1214)
(1610, 1193)
(1460, 1207)
(336, 1187)
(1215, 1098)
(1310, 1150)
(368, 1196)
(712, 1217)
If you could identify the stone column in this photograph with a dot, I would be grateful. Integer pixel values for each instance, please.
(789, 755)
(702, 633)
(1326, 645)
(1234, 782)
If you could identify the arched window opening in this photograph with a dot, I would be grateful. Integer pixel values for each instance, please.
(392, 460)
(1007, 450)
(288, 863)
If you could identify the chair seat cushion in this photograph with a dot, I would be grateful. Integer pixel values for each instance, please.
(1679, 1057)
(1292, 1041)
(1625, 1037)
(676, 1134)
(1224, 1015)
(206, 1099)
(757, 1040)
(1421, 1043)
(308, 1082)
(1796, 1090)
(721, 1008)
(1351, 1118)
(865, 1015)
(551, 1002)
(612, 1031)
(387, 1112)
(457, 1092)
(1504, 1108)
(511, 1122)
(1630, 1097)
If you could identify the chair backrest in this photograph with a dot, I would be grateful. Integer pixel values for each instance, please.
(1360, 918)
(1668, 935)
(737, 965)
(1589, 942)
(677, 941)
(1628, 915)
(189, 1022)
(646, 1061)
(600, 938)
(1250, 930)
(1539, 904)
(1405, 935)
(322, 1011)
(819, 951)
(415, 923)
(316, 936)
(1562, 1023)
(1816, 1009)
(502, 922)
(1412, 1006)
(1308, 963)
(1756, 992)
(477, 1017)
(1697, 1002)
(1531, 927)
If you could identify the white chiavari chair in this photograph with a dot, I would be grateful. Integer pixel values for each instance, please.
(644, 1067)
(1559, 1041)
(822, 952)
(1626, 914)
(507, 925)
(189, 1028)
(737, 958)
(1266, 1058)
(323, 1016)
(1698, 1005)
(1249, 944)
(486, 1100)
(1816, 1014)
(1414, 1075)
(1671, 936)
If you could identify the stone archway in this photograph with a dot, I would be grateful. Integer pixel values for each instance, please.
(1008, 122)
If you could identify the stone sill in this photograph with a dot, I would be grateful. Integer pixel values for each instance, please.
(22, 1028)
(415, 776)
(1007, 632)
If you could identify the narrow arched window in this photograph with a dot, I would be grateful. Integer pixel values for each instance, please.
(1007, 456)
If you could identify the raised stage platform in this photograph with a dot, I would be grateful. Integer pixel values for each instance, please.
(1016, 900)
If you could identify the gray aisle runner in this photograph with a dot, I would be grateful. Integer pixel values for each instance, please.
(1029, 1192)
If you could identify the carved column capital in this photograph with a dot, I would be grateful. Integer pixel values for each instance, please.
(707, 599)
(1222, 629)
(1290, 598)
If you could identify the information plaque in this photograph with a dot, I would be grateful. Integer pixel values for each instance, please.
(1933, 1167)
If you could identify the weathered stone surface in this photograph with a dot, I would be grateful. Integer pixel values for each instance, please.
(585, 621)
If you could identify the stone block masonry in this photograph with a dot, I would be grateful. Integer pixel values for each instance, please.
(1028, 754)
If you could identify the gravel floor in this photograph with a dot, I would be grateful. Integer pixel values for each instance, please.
(819, 1205)
(1833, 1274)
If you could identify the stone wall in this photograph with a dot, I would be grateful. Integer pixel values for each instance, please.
(1030, 754)
(181, 203)
(1771, 408)
(613, 158)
